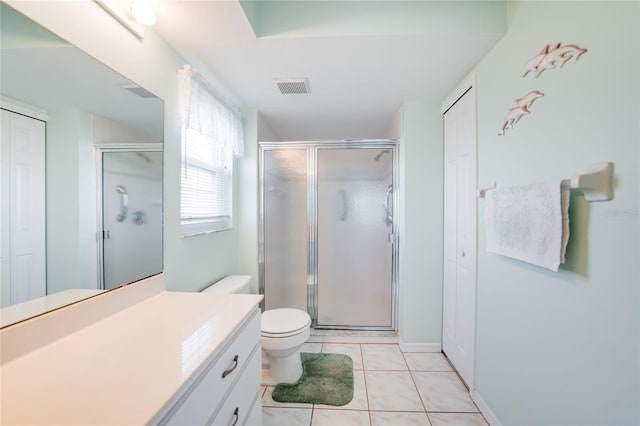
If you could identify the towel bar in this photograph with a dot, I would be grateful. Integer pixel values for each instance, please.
(596, 184)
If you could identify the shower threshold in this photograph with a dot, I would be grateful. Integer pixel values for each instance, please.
(352, 336)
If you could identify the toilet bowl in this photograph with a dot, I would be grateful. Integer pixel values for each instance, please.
(283, 331)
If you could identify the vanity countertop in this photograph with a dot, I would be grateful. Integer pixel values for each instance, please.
(21, 311)
(125, 368)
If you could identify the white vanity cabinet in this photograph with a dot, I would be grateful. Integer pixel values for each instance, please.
(226, 390)
(171, 359)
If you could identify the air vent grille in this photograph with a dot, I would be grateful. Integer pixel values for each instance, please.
(292, 86)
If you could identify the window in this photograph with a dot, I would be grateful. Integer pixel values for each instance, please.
(211, 135)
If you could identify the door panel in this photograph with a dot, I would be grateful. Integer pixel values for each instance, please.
(355, 250)
(285, 228)
(22, 225)
(132, 216)
(459, 295)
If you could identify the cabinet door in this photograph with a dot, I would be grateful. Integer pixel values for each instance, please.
(22, 210)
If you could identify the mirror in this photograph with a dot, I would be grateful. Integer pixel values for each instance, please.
(81, 168)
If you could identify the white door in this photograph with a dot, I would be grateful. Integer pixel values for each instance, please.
(22, 210)
(460, 205)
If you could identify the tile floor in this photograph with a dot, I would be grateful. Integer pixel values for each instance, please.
(391, 388)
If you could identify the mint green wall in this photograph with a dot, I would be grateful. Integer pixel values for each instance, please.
(189, 263)
(294, 18)
(421, 179)
(70, 205)
(248, 201)
(563, 348)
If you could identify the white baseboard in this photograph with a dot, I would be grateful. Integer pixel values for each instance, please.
(351, 339)
(420, 347)
(491, 418)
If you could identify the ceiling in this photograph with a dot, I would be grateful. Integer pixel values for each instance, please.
(362, 58)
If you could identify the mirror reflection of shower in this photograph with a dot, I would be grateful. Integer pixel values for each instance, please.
(132, 216)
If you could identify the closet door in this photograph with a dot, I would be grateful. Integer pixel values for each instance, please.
(22, 210)
(460, 223)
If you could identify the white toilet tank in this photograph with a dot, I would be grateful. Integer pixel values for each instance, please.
(233, 284)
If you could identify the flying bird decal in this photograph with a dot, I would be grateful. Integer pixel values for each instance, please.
(527, 100)
(549, 59)
(522, 108)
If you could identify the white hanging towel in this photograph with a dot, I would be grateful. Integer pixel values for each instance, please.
(529, 223)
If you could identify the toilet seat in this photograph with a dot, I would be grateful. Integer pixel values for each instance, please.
(284, 322)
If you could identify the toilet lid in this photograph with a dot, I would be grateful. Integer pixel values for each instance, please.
(284, 320)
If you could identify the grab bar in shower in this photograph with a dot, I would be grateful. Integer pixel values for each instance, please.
(387, 205)
(124, 203)
(343, 198)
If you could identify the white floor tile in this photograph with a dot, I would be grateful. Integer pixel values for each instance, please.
(359, 401)
(383, 357)
(311, 347)
(392, 391)
(267, 401)
(339, 418)
(418, 361)
(279, 416)
(394, 418)
(457, 419)
(443, 391)
(351, 349)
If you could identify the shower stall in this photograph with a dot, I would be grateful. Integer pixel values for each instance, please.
(328, 237)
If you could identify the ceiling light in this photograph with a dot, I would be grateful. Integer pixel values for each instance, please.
(143, 11)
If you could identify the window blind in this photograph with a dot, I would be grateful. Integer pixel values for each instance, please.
(211, 134)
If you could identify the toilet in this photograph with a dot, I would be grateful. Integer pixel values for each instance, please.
(283, 331)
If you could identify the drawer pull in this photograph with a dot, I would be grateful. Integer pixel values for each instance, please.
(229, 371)
(236, 416)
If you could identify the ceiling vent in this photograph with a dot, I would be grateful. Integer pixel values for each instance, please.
(291, 86)
(137, 90)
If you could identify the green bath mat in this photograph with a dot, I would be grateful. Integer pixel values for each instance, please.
(326, 379)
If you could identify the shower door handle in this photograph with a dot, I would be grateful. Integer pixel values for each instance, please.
(387, 205)
(343, 204)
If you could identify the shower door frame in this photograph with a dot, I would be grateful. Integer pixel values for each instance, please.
(312, 148)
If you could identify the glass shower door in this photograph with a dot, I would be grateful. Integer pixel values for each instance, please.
(131, 216)
(355, 238)
(285, 227)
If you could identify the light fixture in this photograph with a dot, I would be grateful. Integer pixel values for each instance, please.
(143, 11)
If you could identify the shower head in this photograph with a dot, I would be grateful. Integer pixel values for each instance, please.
(377, 157)
(145, 157)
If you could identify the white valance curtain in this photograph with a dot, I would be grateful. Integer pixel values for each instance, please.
(205, 112)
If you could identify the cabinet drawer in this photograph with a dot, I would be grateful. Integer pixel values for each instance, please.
(237, 407)
(202, 399)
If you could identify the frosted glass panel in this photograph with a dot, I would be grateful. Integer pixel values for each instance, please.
(132, 216)
(285, 228)
(354, 249)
